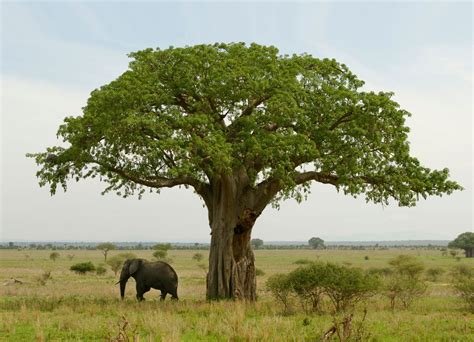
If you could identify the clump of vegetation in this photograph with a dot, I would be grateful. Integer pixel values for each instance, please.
(161, 251)
(53, 256)
(344, 286)
(463, 282)
(117, 261)
(404, 285)
(434, 273)
(198, 257)
(259, 272)
(380, 271)
(280, 287)
(316, 243)
(302, 262)
(366, 257)
(83, 267)
(256, 243)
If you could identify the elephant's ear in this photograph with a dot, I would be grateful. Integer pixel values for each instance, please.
(134, 266)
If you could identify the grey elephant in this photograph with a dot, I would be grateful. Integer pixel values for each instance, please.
(157, 275)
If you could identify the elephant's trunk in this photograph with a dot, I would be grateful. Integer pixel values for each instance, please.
(123, 283)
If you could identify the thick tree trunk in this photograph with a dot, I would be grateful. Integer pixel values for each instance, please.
(231, 260)
(469, 252)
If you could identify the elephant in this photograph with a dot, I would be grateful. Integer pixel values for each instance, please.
(158, 275)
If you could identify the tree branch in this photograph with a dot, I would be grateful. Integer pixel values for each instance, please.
(342, 119)
(254, 104)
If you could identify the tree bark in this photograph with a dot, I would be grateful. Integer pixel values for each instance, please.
(469, 252)
(231, 259)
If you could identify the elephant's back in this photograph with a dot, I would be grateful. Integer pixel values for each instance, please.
(162, 267)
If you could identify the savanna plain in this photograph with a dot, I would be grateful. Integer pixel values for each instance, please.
(66, 306)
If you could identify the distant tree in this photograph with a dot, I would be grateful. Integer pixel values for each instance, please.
(316, 243)
(53, 256)
(407, 265)
(162, 246)
(105, 248)
(160, 254)
(464, 241)
(256, 243)
(115, 263)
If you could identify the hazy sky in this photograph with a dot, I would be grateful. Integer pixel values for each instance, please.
(54, 54)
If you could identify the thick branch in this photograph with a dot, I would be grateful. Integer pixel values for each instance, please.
(254, 104)
(345, 118)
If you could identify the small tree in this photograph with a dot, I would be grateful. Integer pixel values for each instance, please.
(464, 241)
(434, 273)
(160, 254)
(100, 270)
(256, 243)
(53, 256)
(407, 265)
(105, 248)
(316, 243)
(83, 268)
(116, 263)
(280, 287)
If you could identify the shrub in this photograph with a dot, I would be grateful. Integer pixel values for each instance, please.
(302, 262)
(259, 272)
(434, 273)
(366, 257)
(280, 287)
(53, 256)
(407, 265)
(198, 257)
(307, 283)
(346, 286)
(383, 272)
(465, 287)
(160, 254)
(116, 263)
(83, 268)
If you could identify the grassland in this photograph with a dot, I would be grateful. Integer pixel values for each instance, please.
(72, 307)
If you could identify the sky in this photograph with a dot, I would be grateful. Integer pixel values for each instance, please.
(54, 54)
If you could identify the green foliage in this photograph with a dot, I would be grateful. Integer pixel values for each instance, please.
(162, 247)
(404, 285)
(198, 257)
(280, 287)
(116, 263)
(54, 255)
(259, 272)
(302, 262)
(105, 248)
(160, 254)
(407, 265)
(180, 115)
(316, 243)
(83, 267)
(256, 243)
(463, 282)
(344, 286)
(433, 273)
(464, 241)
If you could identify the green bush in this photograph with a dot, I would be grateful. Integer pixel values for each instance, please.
(116, 262)
(83, 268)
(463, 282)
(308, 284)
(407, 265)
(198, 257)
(434, 273)
(259, 272)
(280, 287)
(53, 256)
(160, 254)
(346, 286)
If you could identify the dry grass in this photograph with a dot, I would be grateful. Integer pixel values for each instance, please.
(75, 307)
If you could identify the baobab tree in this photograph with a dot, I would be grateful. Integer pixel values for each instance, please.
(244, 127)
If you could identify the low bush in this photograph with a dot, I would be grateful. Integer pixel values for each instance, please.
(280, 287)
(434, 273)
(302, 262)
(83, 267)
(259, 272)
(463, 282)
(100, 270)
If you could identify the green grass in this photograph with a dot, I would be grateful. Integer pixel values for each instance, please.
(72, 307)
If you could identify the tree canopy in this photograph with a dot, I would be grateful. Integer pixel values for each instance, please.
(180, 116)
(316, 243)
(464, 241)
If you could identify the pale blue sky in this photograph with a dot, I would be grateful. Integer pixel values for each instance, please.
(54, 54)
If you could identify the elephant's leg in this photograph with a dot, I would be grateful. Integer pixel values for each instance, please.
(140, 291)
(163, 295)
